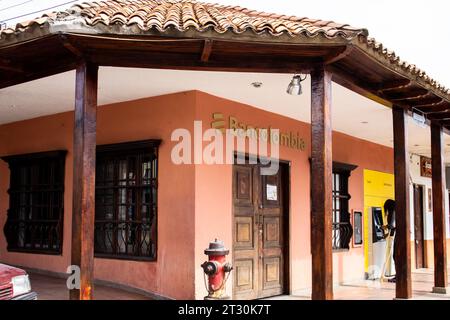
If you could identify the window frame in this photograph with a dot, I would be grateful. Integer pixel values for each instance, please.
(342, 170)
(117, 150)
(15, 162)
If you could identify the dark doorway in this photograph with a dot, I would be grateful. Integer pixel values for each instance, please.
(418, 227)
(260, 232)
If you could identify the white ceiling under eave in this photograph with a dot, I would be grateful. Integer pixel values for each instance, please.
(352, 113)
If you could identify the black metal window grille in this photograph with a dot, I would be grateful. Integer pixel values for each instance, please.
(36, 202)
(126, 200)
(342, 228)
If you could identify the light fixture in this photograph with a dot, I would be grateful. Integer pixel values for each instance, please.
(364, 122)
(295, 87)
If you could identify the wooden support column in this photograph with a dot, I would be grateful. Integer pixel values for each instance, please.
(321, 185)
(403, 289)
(83, 210)
(438, 187)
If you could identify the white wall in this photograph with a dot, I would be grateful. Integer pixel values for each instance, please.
(415, 178)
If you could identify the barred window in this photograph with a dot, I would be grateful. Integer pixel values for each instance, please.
(342, 228)
(126, 200)
(36, 202)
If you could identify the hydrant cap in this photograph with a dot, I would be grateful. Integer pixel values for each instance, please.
(216, 248)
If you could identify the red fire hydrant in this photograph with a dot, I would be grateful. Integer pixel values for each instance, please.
(217, 270)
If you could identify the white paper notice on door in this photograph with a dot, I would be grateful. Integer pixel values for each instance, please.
(271, 192)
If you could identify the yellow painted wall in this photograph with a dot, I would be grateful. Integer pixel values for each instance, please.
(378, 187)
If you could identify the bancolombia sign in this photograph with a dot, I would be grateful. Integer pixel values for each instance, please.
(286, 139)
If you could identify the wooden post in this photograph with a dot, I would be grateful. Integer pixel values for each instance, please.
(402, 256)
(83, 210)
(321, 185)
(438, 187)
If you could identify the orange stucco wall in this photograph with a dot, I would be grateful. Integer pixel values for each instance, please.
(214, 190)
(194, 201)
(129, 121)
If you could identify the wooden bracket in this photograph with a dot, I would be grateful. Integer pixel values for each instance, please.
(339, 56)
(408, 95)
(207, 48)
(70, 47)
(394, 85)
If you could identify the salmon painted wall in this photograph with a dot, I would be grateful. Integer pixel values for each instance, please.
(214, 190)
(172, 274)
(194, 201)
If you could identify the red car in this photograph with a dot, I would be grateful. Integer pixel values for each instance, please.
(15, 284)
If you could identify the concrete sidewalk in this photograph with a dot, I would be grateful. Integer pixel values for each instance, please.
(53, 288)
(375, 290)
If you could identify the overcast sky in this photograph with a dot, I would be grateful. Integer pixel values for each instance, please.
(417, 30)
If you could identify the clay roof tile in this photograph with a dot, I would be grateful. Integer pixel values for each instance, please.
(185, 14)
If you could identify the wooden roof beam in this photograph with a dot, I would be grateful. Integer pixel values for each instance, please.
(207, 49)
(348, 81)
(7, 65)
(436, 107)
(70, 46)
(407, 95)
(438, 116)
(341, 55)
(394, 85)
(423, 101)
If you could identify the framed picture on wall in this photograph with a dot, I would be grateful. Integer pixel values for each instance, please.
(425, 167)
(357, 218)
(430, 200)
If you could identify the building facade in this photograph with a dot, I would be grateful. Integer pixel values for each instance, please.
(190, 204)
(113, 198)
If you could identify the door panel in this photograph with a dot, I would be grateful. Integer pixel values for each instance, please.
(258, 242)
(245, 235)
(271, 232)
(271, 238)
(243, 274)
(272, 275)
(418, 227)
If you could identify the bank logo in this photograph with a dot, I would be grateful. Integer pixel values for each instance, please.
(218, 122)
(289, 139)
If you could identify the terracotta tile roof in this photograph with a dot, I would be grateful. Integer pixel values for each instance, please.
(184, 15)
(391, 58)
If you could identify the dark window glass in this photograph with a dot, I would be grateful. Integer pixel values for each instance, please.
(357, 228)
(342, 229)
(36, 202)
(126, 200)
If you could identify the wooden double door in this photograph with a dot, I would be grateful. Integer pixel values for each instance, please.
(260, 232)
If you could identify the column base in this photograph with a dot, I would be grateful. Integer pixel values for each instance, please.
(441, 290)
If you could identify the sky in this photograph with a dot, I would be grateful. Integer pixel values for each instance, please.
(418, 31)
